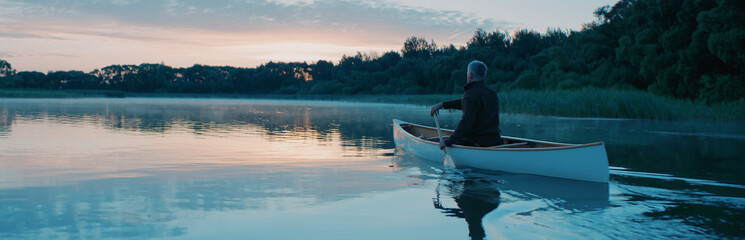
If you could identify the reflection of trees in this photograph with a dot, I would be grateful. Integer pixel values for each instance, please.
(356, 127)
(6, 120)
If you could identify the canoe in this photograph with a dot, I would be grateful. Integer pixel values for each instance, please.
(572, 194)
(586, 162)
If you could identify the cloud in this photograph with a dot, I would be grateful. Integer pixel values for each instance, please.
(59, 55)
(46, 55)
(89, 34)
(361, 21)
(26, 36)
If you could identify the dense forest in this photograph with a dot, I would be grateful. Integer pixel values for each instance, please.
(686, 49)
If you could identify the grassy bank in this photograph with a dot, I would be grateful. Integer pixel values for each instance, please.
(602, 103)
(616, 104)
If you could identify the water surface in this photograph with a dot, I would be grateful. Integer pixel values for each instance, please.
(237, 169)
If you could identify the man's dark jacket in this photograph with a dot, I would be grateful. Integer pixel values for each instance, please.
(480, 122)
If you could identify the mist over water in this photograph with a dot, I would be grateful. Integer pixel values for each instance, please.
(228, 169)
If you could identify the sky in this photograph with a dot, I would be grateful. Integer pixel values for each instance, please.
(62, 35)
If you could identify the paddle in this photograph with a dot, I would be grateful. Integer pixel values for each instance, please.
(447, 161)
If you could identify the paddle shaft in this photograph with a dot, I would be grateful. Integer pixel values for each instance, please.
(439, 134)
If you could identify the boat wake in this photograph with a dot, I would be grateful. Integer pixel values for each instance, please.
(620, 171)
(701, 134)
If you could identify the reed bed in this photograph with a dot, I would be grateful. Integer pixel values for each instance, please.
(594, 103)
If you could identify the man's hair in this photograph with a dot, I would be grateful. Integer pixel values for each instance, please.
(478, 69)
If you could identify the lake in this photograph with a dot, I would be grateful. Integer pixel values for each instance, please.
(271, 169)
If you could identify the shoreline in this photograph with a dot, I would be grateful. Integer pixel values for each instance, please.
(583, 103)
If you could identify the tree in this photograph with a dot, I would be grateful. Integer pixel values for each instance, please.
(495, 40)
(6, 74)
(527, 43)
(322, 70)
(417, 47)
(155, 77)
(389, 59)
(28, 79)
(5, 69)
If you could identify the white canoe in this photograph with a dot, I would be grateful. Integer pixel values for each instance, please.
(587, 162)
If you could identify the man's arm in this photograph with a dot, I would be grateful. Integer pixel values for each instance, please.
(453, 104)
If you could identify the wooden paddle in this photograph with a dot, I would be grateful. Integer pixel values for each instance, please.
(447, 161)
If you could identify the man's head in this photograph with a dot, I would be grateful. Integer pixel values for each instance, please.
(476, 71)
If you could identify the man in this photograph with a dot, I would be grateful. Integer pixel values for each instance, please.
(479, 125)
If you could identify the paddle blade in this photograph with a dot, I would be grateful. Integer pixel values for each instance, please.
(448, 162)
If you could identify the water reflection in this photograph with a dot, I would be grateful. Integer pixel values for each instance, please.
(713, 207)
(276, 120)
(474, 198)
(153, 204)
(476, 192)
(695, 148)
(134, 168)
(143, 168)
(6, 119)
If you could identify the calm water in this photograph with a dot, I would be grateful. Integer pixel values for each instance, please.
(244, 169)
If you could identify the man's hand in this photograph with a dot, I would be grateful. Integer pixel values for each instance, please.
(436, 109)
(442, 145)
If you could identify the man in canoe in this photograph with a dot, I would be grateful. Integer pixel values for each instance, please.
(479, 125)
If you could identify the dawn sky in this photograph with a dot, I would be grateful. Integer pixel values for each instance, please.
(39, 35)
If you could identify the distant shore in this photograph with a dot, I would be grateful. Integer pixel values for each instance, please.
(599, 103)
(44, 93)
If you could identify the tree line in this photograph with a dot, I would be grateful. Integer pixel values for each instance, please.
(687, 49)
